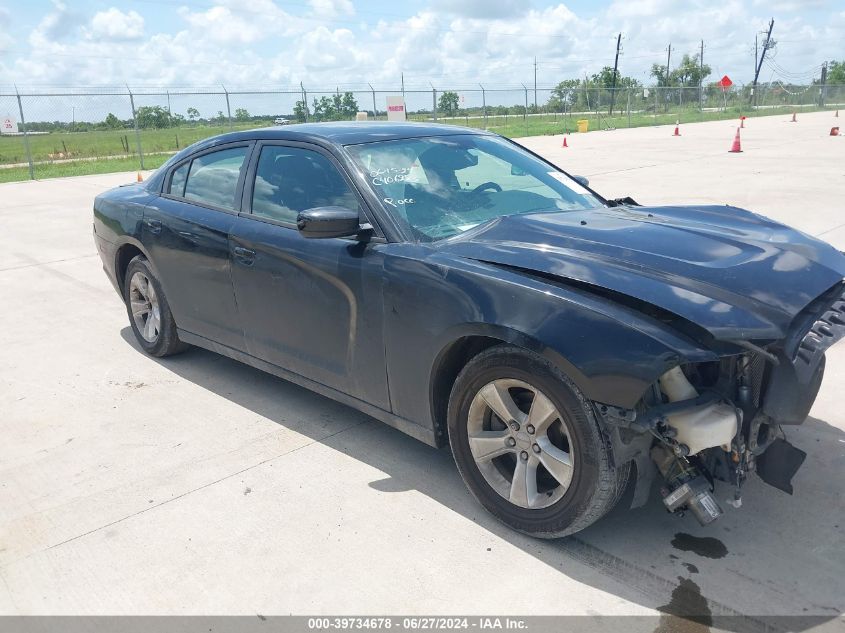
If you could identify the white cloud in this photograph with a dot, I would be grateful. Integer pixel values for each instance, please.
(331, 8)
(482, 9)
(6, 39)
(114, 24)
(451, 44)
(58, 24)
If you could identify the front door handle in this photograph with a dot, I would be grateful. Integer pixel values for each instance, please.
(244, 255)
(153, 225)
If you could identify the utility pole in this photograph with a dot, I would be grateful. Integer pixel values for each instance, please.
(823, 85)
(766, 46)
(403, 84)
(668, 59)
(701, 77)
(615, 69)
(535, 84)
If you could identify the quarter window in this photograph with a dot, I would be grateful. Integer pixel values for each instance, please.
(290, 179)
(177, 182)
(213, 178)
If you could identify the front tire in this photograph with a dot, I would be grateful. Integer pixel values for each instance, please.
(528, 446)
(149, 313)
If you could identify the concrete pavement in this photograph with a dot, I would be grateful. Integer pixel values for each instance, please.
(130, 485)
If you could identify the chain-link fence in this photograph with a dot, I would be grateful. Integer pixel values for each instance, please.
(95, 131)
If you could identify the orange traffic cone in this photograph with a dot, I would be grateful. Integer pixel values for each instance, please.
(794, 120)
(140, 177)
(564, 143)
(834, 131)
(676, 132)
(737, 146)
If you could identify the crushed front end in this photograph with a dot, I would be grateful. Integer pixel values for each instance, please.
(720, 421)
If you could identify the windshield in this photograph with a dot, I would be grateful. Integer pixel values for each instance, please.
(438, 187)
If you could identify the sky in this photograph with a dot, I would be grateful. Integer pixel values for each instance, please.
(447, 43)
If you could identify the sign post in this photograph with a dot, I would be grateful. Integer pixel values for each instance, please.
(396, 108)
(8, 125)
(725, 83)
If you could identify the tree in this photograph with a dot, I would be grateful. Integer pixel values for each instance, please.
(448, 103)
(153, 117)
(564, 95)
(221, 118)
(335, 108)
(300, 111)
(112, 122)
(836, 73)
(193, 114)
(689, 73)
(349, 105)
(241, 114)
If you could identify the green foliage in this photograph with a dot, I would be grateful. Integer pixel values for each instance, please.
(335, 108)
(448, 103)
(300, 111)
(689, 73)
(836, 73)
(112, 122)
(604, 79)
(193, 114)
(241, 114)
(153, 117)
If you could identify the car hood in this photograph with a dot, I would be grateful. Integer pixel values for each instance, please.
(730, 271)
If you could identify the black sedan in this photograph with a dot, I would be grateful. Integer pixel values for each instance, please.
(465, 291)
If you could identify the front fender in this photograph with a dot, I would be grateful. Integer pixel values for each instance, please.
(612, 352)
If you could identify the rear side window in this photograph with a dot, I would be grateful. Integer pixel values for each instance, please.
(213, 178)
(177, 182)
(291, 179)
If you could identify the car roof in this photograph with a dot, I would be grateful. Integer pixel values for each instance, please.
(347, 132)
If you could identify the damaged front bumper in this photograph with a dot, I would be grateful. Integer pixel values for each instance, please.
(722, 421)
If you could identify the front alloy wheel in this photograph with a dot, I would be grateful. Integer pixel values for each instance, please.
(528, 445)
(520, 443)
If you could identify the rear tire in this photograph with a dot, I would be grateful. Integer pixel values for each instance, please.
(148, 310)
(541, 466)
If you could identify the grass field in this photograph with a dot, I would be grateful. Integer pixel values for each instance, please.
(96, 152)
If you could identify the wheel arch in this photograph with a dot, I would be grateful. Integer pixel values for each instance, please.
(463, 345)
(124, 254)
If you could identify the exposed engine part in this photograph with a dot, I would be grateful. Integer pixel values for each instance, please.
(686, 487)
(702, 427)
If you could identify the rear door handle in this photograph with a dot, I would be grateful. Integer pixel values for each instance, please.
(153, 225)
(244, 255)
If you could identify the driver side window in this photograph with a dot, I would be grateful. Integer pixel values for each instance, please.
(291, 179)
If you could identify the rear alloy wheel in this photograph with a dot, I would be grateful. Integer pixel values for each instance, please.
(528, 445)
(149, 313)
(143, 302)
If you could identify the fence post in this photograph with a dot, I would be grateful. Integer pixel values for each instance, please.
(629, 107)
(375, 111)
(228, 109)
(484, 105)
(434, 102)
(137, 131)
(525, 113)
(25, 136)
(304, 100)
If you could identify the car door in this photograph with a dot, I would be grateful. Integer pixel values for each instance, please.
(311, 306)
(186, 233)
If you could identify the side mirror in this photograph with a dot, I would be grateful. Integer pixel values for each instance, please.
(581, 180)
(326, 222)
